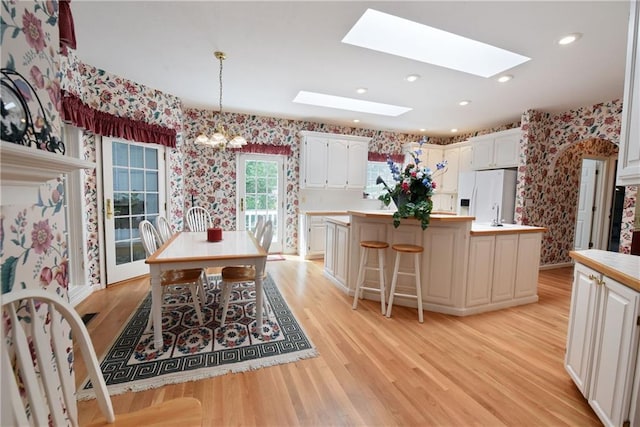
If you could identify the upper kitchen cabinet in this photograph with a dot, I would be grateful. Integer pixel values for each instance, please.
(496, 150)
(629, 152)
(333, 161)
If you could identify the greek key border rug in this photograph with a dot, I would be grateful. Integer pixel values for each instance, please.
(192, 351)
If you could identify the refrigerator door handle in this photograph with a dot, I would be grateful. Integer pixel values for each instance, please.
(472, 204)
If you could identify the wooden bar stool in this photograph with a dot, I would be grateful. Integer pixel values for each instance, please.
(416, 251)
(380, 247)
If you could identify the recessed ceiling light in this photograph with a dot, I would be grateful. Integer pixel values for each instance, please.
(454, 130)
(356, 121)
(463, 103)
(398, 36)
(351, 104)
(423, 130)
(569, 38)
(412, 77)
(505, 78)
(361, 90)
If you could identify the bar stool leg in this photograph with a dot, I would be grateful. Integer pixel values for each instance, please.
(394, 281)
(358, 293)
(418, 287)
(382, 279)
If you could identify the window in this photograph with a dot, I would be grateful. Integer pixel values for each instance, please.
(375, 169)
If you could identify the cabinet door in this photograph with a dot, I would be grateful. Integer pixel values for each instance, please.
(528, 265)
(465, 160)
(506, 150)
(434, 156)
(504, 267)
(316, 236)
(629, 153)
(341, 249)
(449, 179)
(482, 154)
(315, 163)
(582, 321)
(480, 277)
(330, 255)
(357, 168)
(615, 351)
(337, 164)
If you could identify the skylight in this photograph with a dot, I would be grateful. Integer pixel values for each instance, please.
(398, 36)
(351, 104)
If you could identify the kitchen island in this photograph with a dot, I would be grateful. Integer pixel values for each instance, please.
(467, 268)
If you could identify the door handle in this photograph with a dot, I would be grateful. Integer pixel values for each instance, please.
(241, 204)
(109, 210)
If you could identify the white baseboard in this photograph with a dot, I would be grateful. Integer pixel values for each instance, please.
(553, 266)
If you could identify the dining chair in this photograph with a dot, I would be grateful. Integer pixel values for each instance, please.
(234, 275)
(164, 229)
(174, 281)
(259, 228)
(41, 389)
(198, 219)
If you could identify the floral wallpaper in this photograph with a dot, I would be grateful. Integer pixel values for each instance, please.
(549, 173)
(33, 244)
(33, 239)
(218, 168)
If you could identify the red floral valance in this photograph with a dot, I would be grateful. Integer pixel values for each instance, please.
(382, 157)
(65, 26)
(284, 150)
(79, 114)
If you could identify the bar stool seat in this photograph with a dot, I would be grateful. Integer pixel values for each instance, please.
(416, 251)
(367, 245)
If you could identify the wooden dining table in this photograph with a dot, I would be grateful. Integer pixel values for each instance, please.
(192, 250)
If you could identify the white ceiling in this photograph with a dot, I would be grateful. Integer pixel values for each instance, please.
(275, 49)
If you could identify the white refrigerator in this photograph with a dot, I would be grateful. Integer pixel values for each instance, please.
(488, 195)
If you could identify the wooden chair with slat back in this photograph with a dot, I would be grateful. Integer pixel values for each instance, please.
(241, 274)
(38, 357)
(198, 219)
(164, 229)
(174, 281)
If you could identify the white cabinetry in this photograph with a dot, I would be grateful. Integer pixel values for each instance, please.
(311, 236)
(602, 343)
(336, 260)
(500, 268)
(496, 150)
(629, 152)
(333, 161)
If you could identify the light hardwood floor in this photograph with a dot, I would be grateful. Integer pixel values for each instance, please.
(492, 369)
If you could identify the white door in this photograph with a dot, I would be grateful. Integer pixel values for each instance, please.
(584, 215)
(134, 190)
(260, 189)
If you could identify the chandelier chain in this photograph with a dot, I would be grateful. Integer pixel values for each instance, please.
(220, 58)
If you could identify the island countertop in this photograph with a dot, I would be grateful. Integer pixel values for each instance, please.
(382, 214)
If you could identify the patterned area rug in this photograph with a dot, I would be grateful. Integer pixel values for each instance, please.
(193, 352)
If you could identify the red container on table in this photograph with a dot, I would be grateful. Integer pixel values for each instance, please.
(214, 234)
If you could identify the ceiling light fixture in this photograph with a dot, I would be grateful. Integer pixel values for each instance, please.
(356, 121)
(361, 90)
(505, 78)
(454, 130)
(412, 77)
(463, 103)
(422, 130)
(220, 139)
(569, 38)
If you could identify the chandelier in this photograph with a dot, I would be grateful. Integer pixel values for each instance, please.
(220, 138)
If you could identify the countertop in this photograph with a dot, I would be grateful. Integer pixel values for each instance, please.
(382, 214)
(621, 267)
(489, 230)
(323, 213)
(339, 219)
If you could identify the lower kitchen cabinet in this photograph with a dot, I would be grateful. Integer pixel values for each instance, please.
(500, 268)
(336, 258)
(602, 345)
(311, 236)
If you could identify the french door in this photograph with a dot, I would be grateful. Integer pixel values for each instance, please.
(134, 190)
(260, 190)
